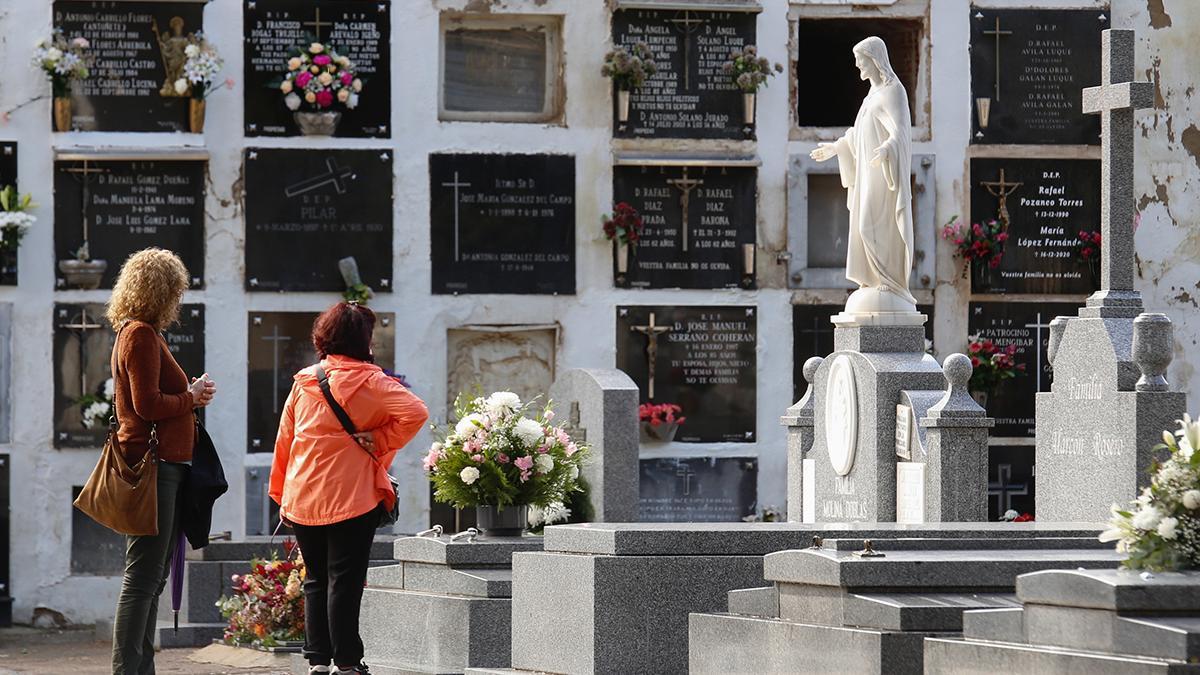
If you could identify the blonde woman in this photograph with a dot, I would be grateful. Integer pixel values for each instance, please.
(152, 395)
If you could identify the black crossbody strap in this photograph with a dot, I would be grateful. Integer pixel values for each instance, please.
(338, 411)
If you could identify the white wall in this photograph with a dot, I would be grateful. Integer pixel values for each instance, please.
(1168, 243)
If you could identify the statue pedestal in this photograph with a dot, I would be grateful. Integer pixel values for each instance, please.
(879, 307)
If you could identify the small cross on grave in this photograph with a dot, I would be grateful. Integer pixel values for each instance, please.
(573, 427)
(337, 176)
(1001, 189)
(80, 325)
(687, 23)
(456, 184)
(651, 331)
(997, 33)
(316, 23)
(275, 338)
(685, 185)
(1003, 489)
(1115, 100)
(685, 472)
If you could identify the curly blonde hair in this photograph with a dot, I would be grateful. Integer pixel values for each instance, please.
(149, 288)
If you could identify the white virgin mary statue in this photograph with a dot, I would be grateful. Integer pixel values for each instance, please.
(874, 159)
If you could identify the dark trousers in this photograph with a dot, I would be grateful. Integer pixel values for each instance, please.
(336, 557)
(147, 562)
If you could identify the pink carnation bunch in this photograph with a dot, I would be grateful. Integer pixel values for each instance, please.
(317, 77)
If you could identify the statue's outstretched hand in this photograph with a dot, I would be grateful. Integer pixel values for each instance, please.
(823, 151)
(880, 156)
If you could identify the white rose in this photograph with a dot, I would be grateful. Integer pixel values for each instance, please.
(325, 79)
(292, 101)
(528, 431)
(191, 50)
(1191, 499)
(181, 86)
(467, 425)
(544, 463)
(1147, 518)
(316, 48)
(1166, 528)
(469, 475)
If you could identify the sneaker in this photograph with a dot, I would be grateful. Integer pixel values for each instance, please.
(360, 669)
(314, 670)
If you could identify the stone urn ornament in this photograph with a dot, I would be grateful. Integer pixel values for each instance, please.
(317, 123)
(81, 271)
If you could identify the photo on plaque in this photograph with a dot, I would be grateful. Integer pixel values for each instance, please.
(1052, 207)
(697, 489)
(107, 208)
(1026, 325)
(502, 223)
(83, 344)
(137, 52)
(309, 210)
(1010, 480)
(701, 359)
(281, 345)
(8, 177)
(359, 30)
(699, 226)
(690, 95)
(1029, 68)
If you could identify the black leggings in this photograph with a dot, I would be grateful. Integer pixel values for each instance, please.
(336, 557)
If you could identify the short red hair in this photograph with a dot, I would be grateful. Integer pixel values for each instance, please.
(345, 329)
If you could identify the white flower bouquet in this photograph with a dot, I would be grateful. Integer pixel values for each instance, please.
(497, 455)
(15, 219)
(200, 69)
(97, 408)
(1160, 530)
(64, 61)
(319, 77)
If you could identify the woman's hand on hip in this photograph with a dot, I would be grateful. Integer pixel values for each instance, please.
(203, 389)
(367, 440)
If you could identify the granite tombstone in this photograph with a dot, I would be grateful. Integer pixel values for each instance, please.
(502, 223)
(358, 29)
(1028, 67)
(137, 50)
(701, 358)
(699, 226)
(697, 489)
(1047, 203)
(109, 207)
(690, 95)
(8, 176)
(308, 209)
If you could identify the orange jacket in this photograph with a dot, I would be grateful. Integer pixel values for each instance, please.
(319, 475)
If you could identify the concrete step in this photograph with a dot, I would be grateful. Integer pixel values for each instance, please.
(189, 635)
(951, 656)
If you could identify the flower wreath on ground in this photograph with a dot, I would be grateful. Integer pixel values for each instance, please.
(266, 608)
(501, 453)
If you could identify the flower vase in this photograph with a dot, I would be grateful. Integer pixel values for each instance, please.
(317, 123)
(622, 260)
(84, 274)
(981, 277)
(502, 521)
(663, 432)
(62, 113)
(623, 105)
(748, 100)
(196, 110)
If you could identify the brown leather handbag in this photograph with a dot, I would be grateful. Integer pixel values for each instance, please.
(121, 497)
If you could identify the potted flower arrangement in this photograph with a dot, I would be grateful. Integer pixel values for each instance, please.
(628, 68)
(624, 229)
(199, 74)
(266, 609)
(316, 79)
(1087, 252)
(97, 408)
(750, 72)
(81, 271)
(15, 221)
(1160, 530)
(981, 246)
(64, 61)
(991, 365)
(660, 421)
(501, 460)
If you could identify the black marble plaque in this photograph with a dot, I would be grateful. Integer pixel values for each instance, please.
(357, 29)
(704, 361)
(308, 209)
(1046, 58)
(1027, 325)
(280, 345)
(137, 51)
(1010, 480)
(502, 223)
(699, 226)
(690, 96)
(1056, 199)
(812, 335)
(8, 176)
(185, 339)
(95, 549)
(697, 489)
(125, 206)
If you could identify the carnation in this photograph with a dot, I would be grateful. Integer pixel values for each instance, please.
(1191, 499)
(1166, 528)
(1146, 518)
(467, 425)
(502, 403)
(529, 431)
(544, 463)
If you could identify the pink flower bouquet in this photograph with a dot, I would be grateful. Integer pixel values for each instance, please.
(317, 78)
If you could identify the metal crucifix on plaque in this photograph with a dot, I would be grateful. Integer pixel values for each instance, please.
(316, 23)
(685, 185)
(1001, 189)
(80, 325)
(275, 338)
(85, 181)
(997, 33)
(687, 24)
(651, 331)
(456, 184)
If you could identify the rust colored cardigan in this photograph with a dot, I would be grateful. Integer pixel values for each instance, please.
(149, 386)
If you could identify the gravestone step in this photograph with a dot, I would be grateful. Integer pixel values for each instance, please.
(445, 633)
(719, 644)
(760, 602)
(965, 544)
(918, 611)
(1006, 624)
(948, 656)
(428, 578)
(189, 634)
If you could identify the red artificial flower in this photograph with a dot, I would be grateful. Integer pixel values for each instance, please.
(325, 98)
(975, 361)
(1023, 518)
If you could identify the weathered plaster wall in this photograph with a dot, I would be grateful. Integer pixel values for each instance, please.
(1168, 242)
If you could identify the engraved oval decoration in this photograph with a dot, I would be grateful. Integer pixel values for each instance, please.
(841, 415)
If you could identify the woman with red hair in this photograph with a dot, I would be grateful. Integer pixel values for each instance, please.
(328, 489)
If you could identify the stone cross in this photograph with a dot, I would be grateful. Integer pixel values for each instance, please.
(1115, 100)
(651, 331)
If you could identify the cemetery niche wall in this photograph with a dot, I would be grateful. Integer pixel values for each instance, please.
(689, 96)
(697, 489)
(699, 224)
(109, 206)
(8, 176)
(358, 29)
(308, 209)
(137, 49)
(1028, 70)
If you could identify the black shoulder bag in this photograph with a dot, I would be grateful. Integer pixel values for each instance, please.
(385, 517)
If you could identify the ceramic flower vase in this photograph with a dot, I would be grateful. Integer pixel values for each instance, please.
(62, 113)
(317, 123)
(196, 110)
(502, 521)
(623, 105)
(622, 258)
